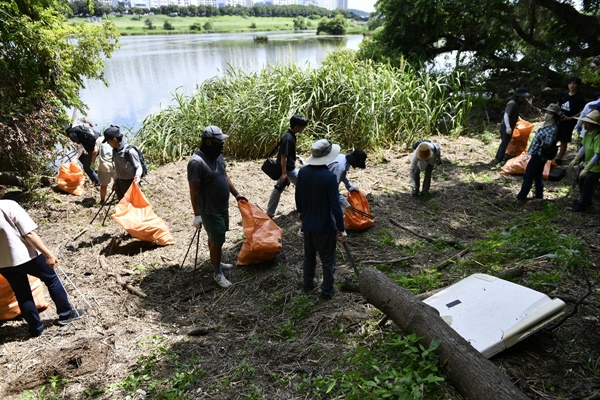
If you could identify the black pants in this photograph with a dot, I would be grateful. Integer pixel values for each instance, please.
(86, 161)
(587, 186)
(121, 187)
(533, 174)
(426, 180)
(504, 141)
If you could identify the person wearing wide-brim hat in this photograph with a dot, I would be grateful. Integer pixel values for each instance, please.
(509, 121)
(319, 208)
(425, 158)
(590, 154)
(545, 137)
(592, 105)
(340, 167)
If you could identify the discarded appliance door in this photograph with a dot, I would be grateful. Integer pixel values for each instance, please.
(493, 314)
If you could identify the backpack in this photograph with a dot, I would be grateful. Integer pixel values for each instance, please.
(140, 155)
(83, 135)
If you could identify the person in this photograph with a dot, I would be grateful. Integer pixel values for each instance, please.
(571, 103)
(85, 139)
(209, 193)
(126, 168)
(318, 204)
(544, 137)
(426, 157)
(340, 167)
(286, 157)
(592, 105)
(22, 253)
(102, 156)
(590, 154)
(509, 121)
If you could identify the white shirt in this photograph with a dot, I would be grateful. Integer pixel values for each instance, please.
(14, 224)
(339, 166)
(104, 158)
(586, 110)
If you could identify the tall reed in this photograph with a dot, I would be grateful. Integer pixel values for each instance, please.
(356, 103)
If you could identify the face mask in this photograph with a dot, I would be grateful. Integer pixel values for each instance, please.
(212, 149)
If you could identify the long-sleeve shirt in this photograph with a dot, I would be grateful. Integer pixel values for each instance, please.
(123, 168)
(340, 168)
(422, 165)
(317, 199)
(586, 110)
(544, 136)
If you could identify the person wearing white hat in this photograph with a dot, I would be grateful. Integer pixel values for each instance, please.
(590, 153)
(425, 158)
(545, 137)
(319, 208)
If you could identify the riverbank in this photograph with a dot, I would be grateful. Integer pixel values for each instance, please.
(167, 25)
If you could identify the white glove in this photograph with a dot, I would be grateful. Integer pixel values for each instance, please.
(584, 173)
(352, 188)
(345, 203)
(197, 221)
(573, 163)
(342, 236)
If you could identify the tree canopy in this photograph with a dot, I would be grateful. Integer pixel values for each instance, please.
(43, 63)
(519, 42)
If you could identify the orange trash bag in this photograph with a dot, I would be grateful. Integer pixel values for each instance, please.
(134, 213)
(354, 220)
(516, 165)
(520, 138)
(70, 178)
(9, 308)
(263, 236)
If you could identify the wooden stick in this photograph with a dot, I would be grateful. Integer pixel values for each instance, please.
(120, 281)
(397, 260)
(429, 239)
(448, 261)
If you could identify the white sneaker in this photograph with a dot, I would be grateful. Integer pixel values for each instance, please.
(226, 266)
(300, 232)
(222, 281)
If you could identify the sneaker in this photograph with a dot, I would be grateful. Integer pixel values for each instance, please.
(311, 287)
(222, 281)
(300, 232)
(325, 297)
(75, 315)
(226, 266)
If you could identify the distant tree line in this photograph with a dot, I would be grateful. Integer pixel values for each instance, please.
(81, 8)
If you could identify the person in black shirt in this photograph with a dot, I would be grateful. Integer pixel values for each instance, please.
(571, 103)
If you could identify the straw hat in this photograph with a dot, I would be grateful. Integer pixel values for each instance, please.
(593, 117)
(553, 108)
(424, 152)
(322, 152)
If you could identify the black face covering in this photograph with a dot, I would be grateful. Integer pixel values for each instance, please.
(212, 149)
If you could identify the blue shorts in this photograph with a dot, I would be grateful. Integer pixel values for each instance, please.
(216, 225)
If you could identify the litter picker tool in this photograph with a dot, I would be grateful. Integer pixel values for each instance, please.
(197, 232)
(364, 214)
(350, 257)
(76, 288)
(108, 201)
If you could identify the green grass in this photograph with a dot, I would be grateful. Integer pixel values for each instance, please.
(130, 25)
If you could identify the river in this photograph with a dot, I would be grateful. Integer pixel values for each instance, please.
(146, 71)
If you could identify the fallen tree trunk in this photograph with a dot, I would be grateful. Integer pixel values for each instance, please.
(474, 376)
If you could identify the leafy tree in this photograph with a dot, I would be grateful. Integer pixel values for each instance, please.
(208, 26)
(167, 26)
(502, 42)
(149, 24)
(300, 23)
(43, 62)
(333, 26)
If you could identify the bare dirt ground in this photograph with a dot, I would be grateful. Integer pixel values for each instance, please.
(242, 348)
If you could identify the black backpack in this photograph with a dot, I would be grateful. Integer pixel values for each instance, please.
(140, 155)
(83, 135)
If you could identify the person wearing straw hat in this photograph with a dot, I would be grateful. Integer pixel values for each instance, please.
(545, 137)
(22, 253)
(509, 121)
(592, 105)
(318, 204)
(590, 154)
(425, 158)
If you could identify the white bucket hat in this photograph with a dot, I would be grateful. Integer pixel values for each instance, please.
(322, 152)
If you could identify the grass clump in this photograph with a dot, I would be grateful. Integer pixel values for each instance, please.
(395, 367)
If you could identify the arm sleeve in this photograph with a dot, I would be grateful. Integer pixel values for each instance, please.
(507, 121)
(413, 169)
(135, 160)
(336, 207)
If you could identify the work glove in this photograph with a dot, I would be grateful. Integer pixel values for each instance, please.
(584, 173)
(197, 222)
(345, 203)
(352, 188)
(573, 163)
(239, 197)
(342, 236)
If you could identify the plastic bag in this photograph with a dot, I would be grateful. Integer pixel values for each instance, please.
(518, 165)
(263, 236)
(354, 220)
(134, 213)
(71, 179)
(9, 308)
(520, 138)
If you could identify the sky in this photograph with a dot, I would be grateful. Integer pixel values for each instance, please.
(362, 5)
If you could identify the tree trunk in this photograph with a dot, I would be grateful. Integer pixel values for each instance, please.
(474, 376)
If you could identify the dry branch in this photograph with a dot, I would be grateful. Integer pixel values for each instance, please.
(394, 261)
(120, 281)
(449, 260)
(427, 238)
(472, 374)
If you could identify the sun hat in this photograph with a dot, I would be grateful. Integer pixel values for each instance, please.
(424, 152)
(357, 158)
(213, 132)
(522, 92)
(322, 152)
(593, 117)
(553, 108)
(111, 132)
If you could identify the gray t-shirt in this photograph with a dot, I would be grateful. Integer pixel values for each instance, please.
(214, 189)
